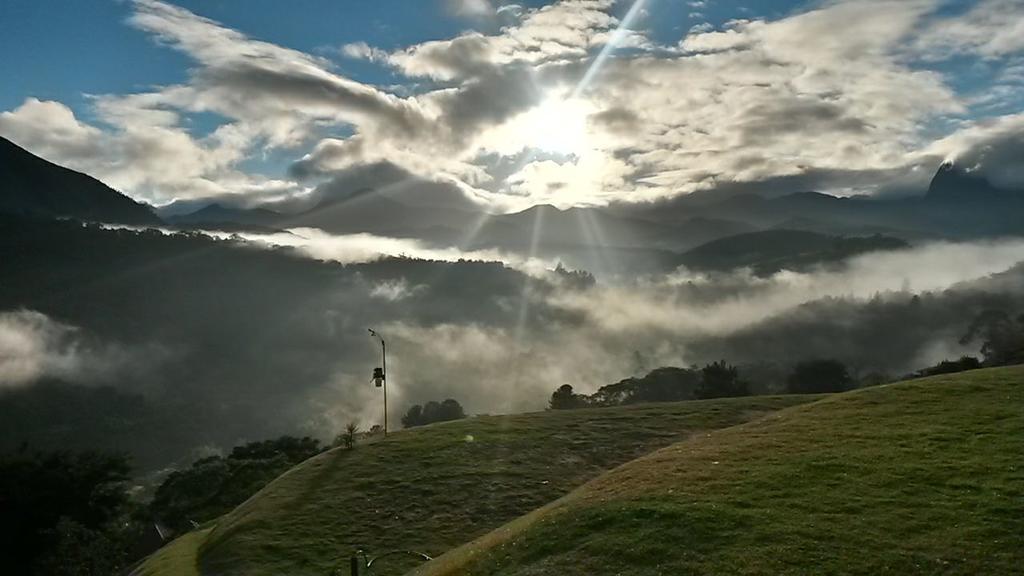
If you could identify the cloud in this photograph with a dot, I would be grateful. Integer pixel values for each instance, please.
(990, 28)
(991, 148)
(361, 248)
(844, 96)
(363, 51)
(275, 90)
(561, 30)
(864, 314)
(697, 305)
(270, 97)
(471, 8)
(33, 347)
(135, 158)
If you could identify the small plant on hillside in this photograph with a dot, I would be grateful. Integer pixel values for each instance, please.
(348, 437)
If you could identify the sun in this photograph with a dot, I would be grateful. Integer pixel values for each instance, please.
(558, 126)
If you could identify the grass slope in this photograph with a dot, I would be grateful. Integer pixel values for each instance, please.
(433, 488)
(921, 477)
(178, 557)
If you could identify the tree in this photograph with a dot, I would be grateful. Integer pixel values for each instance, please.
(574, 279)
(348, 437)
(949, 367)
(61, 503)
(1001, 335)
(294, 449)
(433, 411)
(450, 410)
(721, 380)
(565, 399)
(819, 376)
(413, 416)
(214, 485)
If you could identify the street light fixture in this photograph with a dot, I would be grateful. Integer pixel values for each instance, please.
(380, 375)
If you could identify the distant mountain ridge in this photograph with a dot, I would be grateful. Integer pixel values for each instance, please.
(770, 251)
(952, 182)
(219, 214)
(33, 186)
(626, 238)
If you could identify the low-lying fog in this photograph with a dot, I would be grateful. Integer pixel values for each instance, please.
(497, 347)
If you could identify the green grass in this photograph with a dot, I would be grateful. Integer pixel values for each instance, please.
(179, 557)
(434, 488)
(921, 477)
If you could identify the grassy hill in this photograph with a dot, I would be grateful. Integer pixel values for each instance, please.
(431, 489)
(921, 477)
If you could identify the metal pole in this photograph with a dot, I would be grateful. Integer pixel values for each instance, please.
(384, 366)
(383, 379)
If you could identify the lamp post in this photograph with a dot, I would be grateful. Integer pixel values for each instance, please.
(380, 375)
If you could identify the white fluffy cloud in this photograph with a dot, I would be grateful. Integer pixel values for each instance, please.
(148, 156)
(847, 95)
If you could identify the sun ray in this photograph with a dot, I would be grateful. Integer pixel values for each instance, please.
(596, 242)
(606, 51)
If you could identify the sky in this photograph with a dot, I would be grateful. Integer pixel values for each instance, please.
(572, 103)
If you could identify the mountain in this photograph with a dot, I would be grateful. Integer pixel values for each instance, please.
(769, 251)
(218, 214)
(958, 205)
(951, 182)
(32, 186)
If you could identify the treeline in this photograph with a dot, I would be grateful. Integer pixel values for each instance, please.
(433, 411)
(716, 380)
(214, 485)
(66, 513)
(1000, 333)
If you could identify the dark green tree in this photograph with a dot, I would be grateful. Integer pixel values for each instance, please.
(451, 410)
(62, 505)
(819, 376)
(1001, 336)
(949, 367)
(214, 485)
(413, 416)
(433, 411)
(721, 380)
(565, 399)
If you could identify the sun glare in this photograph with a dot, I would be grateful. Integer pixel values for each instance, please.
(559, 126)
